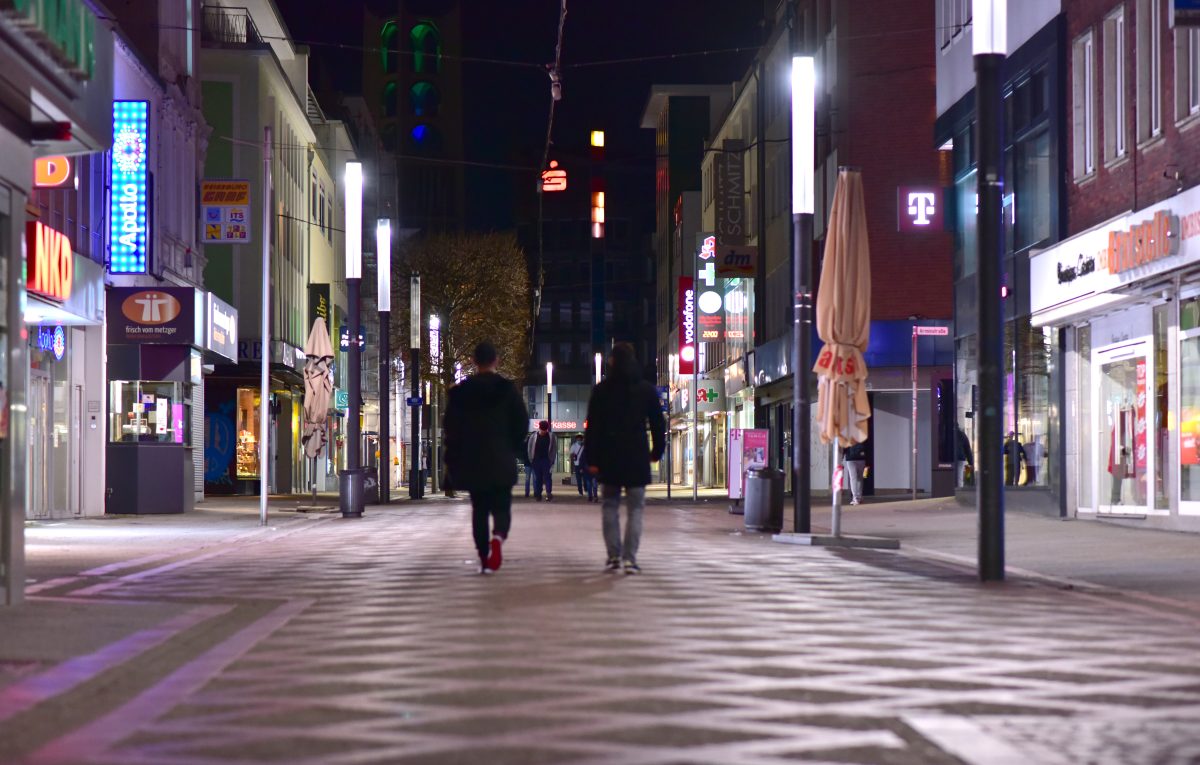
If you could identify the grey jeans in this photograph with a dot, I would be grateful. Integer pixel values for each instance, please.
(635, 501)
(855, 469)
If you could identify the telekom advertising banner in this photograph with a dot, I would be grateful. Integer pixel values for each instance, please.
(747, 450)
(1139, 426)
(687, 326)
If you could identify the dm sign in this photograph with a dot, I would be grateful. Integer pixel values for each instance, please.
(159, 315)
(128, 220)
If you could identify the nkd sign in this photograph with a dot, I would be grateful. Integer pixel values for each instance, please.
(49, 262)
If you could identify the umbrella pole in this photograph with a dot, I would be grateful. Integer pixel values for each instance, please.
(835, 527)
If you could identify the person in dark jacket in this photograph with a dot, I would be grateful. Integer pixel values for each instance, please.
(855, 461)
(485, 433)
(622, 406)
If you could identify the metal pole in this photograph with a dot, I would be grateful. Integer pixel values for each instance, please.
(693, 393)
(670, 475)
(385, 410)
(434, 443)
(835, 526)
(913, 466)
(990, 491)
(264, 392)
(353, 426)
(415, 485)
(801, 353)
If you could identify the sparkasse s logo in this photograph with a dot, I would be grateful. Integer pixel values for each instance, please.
(151, 307)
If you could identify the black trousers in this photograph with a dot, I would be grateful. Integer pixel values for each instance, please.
(491, 503)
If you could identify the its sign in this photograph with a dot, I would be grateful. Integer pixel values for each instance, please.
(221, 328)
(554, 179)
(341, 399)
(687, 326)
(53, 173)
(1143, 243)
(919, 209)
(160, 315)
(49, 262)
(128, 222)
(225, 207)
(737, 261)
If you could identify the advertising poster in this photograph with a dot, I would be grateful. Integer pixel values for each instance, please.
(747, 450)
(1139, 427)
(225, 207)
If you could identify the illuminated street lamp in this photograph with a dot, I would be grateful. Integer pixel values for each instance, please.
(804, 88)
(351, 494)
(383, 251)
(599, 366)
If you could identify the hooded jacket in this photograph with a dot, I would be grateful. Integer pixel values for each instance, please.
(621, 409)
(485, 427)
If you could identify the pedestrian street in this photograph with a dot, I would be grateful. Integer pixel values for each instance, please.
(377, 641)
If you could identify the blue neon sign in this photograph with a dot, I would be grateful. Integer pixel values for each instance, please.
(129, 239)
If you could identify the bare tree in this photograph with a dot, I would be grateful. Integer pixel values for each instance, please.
(478, 286)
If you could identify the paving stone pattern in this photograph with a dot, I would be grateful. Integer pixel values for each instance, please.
(383, 645)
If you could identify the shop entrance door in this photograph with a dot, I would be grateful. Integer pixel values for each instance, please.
(1124, 452)
(40, 432)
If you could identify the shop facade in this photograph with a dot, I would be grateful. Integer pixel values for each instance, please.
(1125, 296)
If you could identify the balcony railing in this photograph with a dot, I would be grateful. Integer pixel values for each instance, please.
(230, 28)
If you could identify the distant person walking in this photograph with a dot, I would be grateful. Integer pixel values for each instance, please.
(485, 425)
(855, 461)
(576, 449)
(1014, 459)
(622, 407)
(963, 457)
(542, 455)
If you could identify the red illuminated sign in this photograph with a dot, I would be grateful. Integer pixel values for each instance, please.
(554, 179)
(49, 261)
(687, 326)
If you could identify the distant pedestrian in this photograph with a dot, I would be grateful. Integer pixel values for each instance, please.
(542, 455)
(576, 448)
(855, 461)
(963, 457)
(587, 480)
(485, 423)
(622, 407)
(1014, 459)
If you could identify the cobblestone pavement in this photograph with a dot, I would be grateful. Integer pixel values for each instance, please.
(375, 641)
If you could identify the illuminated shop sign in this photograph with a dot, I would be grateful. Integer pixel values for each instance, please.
(1143, 243)
(49, 262)
(687, 326)
(53, 173)
(918, 209)
(52, 340)
(128, 220)
(554, 179)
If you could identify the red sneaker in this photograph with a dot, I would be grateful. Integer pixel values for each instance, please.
(496, 558)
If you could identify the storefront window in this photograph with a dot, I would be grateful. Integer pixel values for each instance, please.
(1084, 419)
(1033, 184)
(1027, 357)
(965, 194)
(248, 402)
(149, 411)
(966, 392)
(1189, 397)
(1123, 397)
(1162, 406)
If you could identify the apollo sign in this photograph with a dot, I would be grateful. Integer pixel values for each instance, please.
(919, 209)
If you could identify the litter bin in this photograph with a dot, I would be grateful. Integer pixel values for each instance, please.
(350, 492)
(764, 500)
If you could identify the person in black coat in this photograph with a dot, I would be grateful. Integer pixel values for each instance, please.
(622, 406)
(485, 434)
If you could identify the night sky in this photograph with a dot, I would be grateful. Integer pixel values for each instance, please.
(506, 106)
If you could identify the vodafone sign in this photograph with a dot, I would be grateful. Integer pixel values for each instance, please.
(687, 326)
(49, 262)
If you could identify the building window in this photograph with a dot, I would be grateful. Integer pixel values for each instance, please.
(424, 99)
(1189, 398)
(389, 51)
(1083, 114)
(1187, 72)
(1149, 69)
(426, 48)
(1114, 85)
(389, 100)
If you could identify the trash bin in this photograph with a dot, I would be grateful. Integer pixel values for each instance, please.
(764, 500)
(350, 492)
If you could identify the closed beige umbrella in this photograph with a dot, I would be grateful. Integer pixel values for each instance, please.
(844, 317)
(318, 388)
